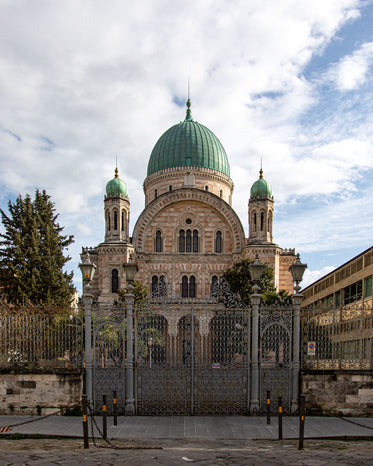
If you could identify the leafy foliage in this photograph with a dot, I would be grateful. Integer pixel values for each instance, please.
(32, 253)
(239, 279)
(139, 291)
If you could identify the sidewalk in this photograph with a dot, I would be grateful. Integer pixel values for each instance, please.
(195, 427)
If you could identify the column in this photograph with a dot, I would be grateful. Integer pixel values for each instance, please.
(254, 400)
(297, 300)
(88, 301)
(130, 396)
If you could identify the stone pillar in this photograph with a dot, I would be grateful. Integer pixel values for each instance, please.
(130, 396)
(254, 399)
(88, 301)
(297, 300)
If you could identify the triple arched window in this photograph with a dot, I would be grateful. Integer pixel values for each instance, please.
(188, 287)
(188, 241)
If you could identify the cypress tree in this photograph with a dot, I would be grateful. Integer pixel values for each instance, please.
(32, 253)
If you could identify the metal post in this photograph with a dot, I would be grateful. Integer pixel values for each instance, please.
(302, 409)
(268, 407)
(192, 368)
(85, 421)
(115, 408)
(88, 301)
(130, 398)
(104, 419)
(280, 417)
(254, 402)
(297, 300)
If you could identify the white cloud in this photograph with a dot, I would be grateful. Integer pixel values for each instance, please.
(311, 276)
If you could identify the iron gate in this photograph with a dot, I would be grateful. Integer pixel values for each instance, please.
(194, 363)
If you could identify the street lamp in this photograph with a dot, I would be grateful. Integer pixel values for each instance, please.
(256, 269)
(297, 270)
(130, 269)
(88, 269)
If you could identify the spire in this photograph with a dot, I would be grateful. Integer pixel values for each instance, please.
(261, 169)
(188, 104)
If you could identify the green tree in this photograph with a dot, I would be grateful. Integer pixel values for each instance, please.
(239, 279)
(139, 291)
(32, 253)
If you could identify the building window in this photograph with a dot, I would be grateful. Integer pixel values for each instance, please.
(188, 287)
(123, 220)
(155, 194)
(254, 221)
(108, 222)
(206, 188)
(368, 287)
(221, 193)
(114, 281)
(158, 241)
(159, 287)
(170, 188)
(261, 221)
(214, 286)
(188, 241)
(218, 242)
(353, 292)
(115, 220)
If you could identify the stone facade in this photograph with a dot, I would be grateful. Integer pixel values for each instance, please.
(31, 393)
(338, 392)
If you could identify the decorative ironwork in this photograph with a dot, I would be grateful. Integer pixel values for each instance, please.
(337, 338)
(38, 340)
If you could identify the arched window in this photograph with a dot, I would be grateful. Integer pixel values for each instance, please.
(270, 222)
(158, 241)
(114, 281)
(188, 287)
(162, 290)
(195, 241)
(115, 220)
(123, 220)
(181, 241)
(221, 193)
(154, 285)
(192, 287)
(261, 221)
(206, 188)
(214, 286)
(184, 287)
(254, 221)
(155, 194)
(188, 242)
(108, 222)
(218, 242)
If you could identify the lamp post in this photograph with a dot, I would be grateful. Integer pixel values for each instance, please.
(88, 269)
(297, 270)
(130, 268)
(256, 269)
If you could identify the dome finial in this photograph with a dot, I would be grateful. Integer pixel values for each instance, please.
(188, 104)
(116, 168)
(261, 169)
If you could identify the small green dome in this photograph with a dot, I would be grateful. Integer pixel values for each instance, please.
(116, 186)
(188, 144)
(261, 187)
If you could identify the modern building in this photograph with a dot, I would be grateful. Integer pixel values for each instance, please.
(351, 283)
(188, 233)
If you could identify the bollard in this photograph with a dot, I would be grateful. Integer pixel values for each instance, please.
(302, 409)
(268, 408)
(85, 421)
(115, 410)
(280, 417)
(104, 423)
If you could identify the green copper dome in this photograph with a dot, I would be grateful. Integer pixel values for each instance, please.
(116, 186)
(188, 144)
(261, 187)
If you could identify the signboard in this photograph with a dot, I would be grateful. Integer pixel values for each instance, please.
(311, 351)
(216, 365)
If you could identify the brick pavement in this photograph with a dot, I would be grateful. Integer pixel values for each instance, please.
(178, 452)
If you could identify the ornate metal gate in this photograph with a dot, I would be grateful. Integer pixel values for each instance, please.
(192, 361)
(276, 330)
(108, 356)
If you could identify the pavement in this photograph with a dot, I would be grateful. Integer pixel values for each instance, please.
(176, 440)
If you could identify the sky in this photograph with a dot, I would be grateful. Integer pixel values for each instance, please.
(285, 83)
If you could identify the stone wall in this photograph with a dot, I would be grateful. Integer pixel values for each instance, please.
(338, 392)
(38, 393)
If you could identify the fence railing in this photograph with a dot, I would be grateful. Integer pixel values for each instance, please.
(41, 340)
(335, 339)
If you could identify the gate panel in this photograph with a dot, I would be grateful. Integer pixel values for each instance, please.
(108, 362)
(275, 357)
